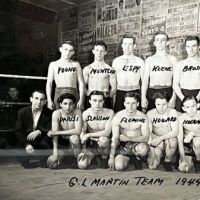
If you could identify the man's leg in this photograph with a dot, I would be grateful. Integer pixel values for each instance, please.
(196, 148)
(75, 144)
(170, 149)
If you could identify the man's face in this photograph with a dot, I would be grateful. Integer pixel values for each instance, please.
(160, 42)
(13, 92)
(67, 105)
(99, 52)
(190, 107)
(161, 105)
(128, 46)
(67, 51)
(130, 104)
(38, 100)
(96, 102)
(191, 48)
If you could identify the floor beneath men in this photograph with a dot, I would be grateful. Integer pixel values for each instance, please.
(17, 183)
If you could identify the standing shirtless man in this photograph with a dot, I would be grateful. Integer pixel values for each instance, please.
(163, 125)
(130, 133)
(96, 130)
(189, 133)
(66, 124)
(100, 76)
(187, 73)
(158, 73)
(67, 75)
(129, 71)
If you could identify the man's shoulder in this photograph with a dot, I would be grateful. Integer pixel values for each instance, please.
(117, 59)
(25, 109)
(139, 60)
(152, 112)
(140, 114)
(108, 111)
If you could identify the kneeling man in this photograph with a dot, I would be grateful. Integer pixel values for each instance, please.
(130, 133)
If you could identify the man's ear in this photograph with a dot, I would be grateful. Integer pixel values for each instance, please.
(134, 46)
(105, 53)
(138, 104)
(60, 49)
(198, 105)
(31, 99)
(183, 108)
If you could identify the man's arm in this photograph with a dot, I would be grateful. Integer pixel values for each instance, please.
(106, 132)
(145, 84)
(86, 75)
(81, 86)
(176, 81)
(142, 70)
(113, 83)
(50, 78)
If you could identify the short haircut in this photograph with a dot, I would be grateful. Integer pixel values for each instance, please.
(192, 37)
(134, 95)
(66, 96)
(160, 33)
(100, 43)
(187, 98)
(95, 92)
(68, 42)
(160, 95)
(128, 36)
(39, 91)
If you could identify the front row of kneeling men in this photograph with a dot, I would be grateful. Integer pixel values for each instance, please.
(128, 136)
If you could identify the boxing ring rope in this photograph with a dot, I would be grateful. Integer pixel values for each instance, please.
(18, 103)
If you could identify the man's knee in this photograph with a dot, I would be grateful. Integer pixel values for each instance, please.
(74, 139)
(142, 149)
(120, 163)
(196, 142)
(104, 142)
(173, 142)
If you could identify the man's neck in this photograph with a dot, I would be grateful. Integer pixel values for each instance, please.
(128, 56)
(99, 63)
(130, 114)
(97, 112)
(35, 110)
(161, 53)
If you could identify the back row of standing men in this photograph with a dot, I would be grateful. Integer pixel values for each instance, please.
(160, 72)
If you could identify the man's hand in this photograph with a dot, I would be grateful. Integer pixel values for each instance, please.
(84, 138)
(111, 163)
(52, 133)
(51, 105)
(144, 103)
(171, 103)
(31, 136)
(124, 138)
(29, 149)
(79, 104)
(188, 138)
(52, 161)
(155, 142)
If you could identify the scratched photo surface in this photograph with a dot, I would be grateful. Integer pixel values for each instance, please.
(30, 33)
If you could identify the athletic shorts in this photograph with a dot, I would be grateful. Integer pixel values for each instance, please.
(152, 91)
(119, 101)
(125, 148)
(185, 93)
(61, 90)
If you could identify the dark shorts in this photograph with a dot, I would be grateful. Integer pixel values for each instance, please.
(185, 93)
(59, 91)
(107, 102)
(152, 91)
(119, 101)
(125, 148)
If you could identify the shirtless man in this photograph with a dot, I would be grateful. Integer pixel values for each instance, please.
(163, 126)
(67, 75)
(100, 76)
(96, 130)
(129, 71)
(158, 73)
(189, 134)
(130, 133)
(187, 73)
(67, 123)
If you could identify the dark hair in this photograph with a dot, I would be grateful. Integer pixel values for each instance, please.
(39, 91)
(96, 92)
(101, 43)
(134, 95)
(192, 37)
(160, 95)
(187, 98)
(128, 36)
(161, 33)
(68, 42)
(66, 96)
